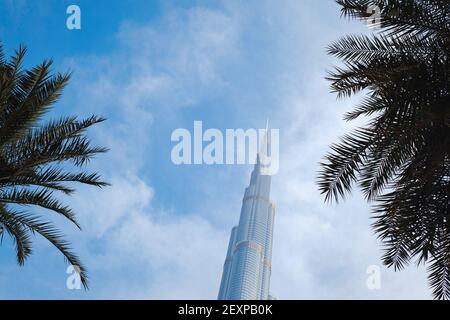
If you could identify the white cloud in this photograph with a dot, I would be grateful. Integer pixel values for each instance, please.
(138, 250)
(171, 253)
(132, 248)
(320, 250)
(113, 205)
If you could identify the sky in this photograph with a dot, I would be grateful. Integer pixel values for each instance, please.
(161, 230)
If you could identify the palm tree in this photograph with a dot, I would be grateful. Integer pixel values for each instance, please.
(401, 158)
(35, 158)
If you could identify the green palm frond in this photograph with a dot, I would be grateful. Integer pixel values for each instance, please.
(401, 162)
(54, 178)
(10, 75)
(29, 223)
(35, 156)
(368, 48)
(338, 171)
(18, 232)
(38, 197)
(34, 94)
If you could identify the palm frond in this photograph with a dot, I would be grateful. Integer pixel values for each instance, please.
(48, 231)
(36, 158)
(38, 197)
(17, 232)
(402, 161)
(36, 91)
(338, 172)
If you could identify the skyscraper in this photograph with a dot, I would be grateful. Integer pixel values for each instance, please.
(247, 267)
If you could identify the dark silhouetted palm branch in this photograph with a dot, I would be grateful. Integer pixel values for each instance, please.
(33, 154)
(401, 159)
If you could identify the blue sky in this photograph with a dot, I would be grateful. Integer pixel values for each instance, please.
(161, 231)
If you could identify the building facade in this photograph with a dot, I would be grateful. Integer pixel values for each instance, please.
(247, 267)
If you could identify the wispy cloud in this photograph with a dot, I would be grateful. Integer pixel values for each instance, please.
(150, 252)
(234, 65)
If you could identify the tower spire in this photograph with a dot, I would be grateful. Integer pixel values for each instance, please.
(263, 159)
(247, 267)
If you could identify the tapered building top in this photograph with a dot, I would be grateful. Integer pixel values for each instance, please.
(247, 267)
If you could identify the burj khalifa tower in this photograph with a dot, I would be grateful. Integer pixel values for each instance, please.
(248, 264)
